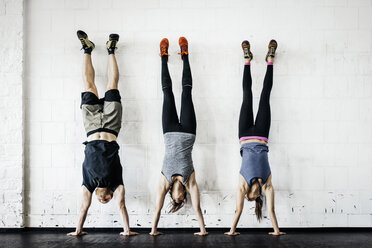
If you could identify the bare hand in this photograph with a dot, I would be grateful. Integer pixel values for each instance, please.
(232, 233)
(201, 233)
(77, 233)
(128, 233)
(277, 233)
(156, 233)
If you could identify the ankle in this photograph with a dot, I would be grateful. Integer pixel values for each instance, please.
(247, 61)
(88, 51)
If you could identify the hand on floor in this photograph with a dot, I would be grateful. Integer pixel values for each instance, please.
(201, 233)
(128, 233)
(277, 233)
(155, 233)
(232, 233)
(77, 233)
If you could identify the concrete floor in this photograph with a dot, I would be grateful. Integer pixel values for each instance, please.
(185, 238)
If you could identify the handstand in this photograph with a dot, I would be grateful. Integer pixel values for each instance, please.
(102, 171)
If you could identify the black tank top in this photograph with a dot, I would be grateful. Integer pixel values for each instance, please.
(101, 166)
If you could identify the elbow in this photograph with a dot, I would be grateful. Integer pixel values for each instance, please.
(122, 206)
(238, 211)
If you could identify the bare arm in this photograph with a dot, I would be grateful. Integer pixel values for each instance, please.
(85, 204)
(268, 190)
(195, 199)
(162, 191)
(238, 211)
(119, 196)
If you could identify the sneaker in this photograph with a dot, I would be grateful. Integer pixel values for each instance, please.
(272, 48)
(246, 50)
(85, 42)
(111, 43)
(164, 44)
(184, 46)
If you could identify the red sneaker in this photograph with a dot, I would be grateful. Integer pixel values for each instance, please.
(184, 45)
(164, 44)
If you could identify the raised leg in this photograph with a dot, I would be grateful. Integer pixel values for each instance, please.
(263, 119)
(88, 74)
(112, 73)
(246, 110)
(187, 118)
(169, 116)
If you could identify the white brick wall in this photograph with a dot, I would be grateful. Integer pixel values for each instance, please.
(11, 104)
(321, 135)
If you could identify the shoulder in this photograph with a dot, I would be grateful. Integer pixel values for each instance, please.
(242, 182)
(268, 183)
(120, 188)
(86, 186)
(192, 179)
(164, 182)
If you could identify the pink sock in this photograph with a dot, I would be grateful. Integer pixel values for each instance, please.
(270, 63)
(247, 63)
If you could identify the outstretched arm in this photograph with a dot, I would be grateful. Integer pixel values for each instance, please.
(162, 191)
(268, 190)
(119, 196)
(85, 204)
(238, 211)
(195, 199)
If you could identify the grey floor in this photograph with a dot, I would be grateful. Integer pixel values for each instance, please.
(185, 238)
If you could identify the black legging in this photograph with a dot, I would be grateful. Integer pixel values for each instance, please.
(261, 127)
(187, 123)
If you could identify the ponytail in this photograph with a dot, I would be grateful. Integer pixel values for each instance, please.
(258, 209)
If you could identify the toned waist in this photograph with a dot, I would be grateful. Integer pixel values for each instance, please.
(253, 141)
(102, 136)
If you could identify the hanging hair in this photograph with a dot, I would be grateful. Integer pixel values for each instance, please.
(174, 205)
(259, 203)
(258, 209)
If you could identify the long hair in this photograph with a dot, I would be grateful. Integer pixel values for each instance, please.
(174, 205)
(258, 208)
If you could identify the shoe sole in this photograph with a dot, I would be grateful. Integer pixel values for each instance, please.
(85, 42)
(113, 40)
(273, 45)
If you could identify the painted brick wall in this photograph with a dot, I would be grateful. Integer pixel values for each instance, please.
(321, 135)
(11, 102)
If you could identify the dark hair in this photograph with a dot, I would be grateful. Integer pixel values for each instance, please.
(259, 203)
(258, 209)
(174, 205)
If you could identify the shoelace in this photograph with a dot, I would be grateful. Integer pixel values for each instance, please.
(163, 51)
(84, 44)
(183, 48)
(112, 45)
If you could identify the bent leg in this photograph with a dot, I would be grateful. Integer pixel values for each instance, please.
(88, 74)
(246, 110)
(263, 119)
